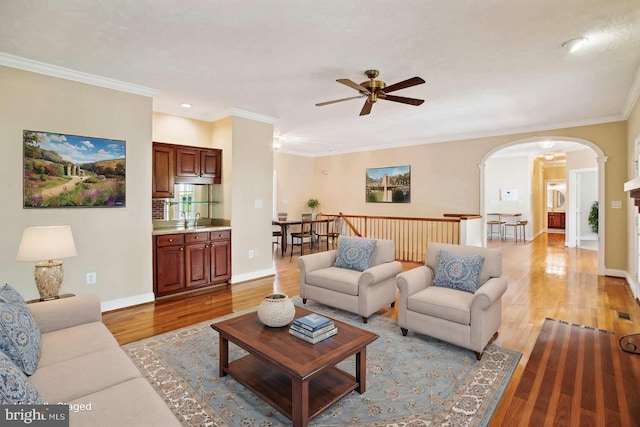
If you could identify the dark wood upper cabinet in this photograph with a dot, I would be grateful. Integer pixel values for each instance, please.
(163, 171)
(198, 165)
(185, 165)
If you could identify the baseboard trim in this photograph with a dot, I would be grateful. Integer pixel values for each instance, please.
(252, 275)
(616, 273)
(127, 302)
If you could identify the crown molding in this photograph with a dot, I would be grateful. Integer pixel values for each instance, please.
(76, 76)
(188, 113)
(632, 96)
(235, 112)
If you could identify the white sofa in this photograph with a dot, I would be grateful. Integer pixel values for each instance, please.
(362, 293)
(81, 364)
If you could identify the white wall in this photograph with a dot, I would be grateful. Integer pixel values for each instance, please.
(508, 173)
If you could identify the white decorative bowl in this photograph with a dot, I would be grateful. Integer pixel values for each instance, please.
(276, 310)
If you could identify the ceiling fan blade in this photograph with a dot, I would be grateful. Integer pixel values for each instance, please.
(412, 101)
(366, 109)
(320, 104)
(413, 81)
(354, 85)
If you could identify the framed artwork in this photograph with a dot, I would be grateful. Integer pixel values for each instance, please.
(389, 185)
(72, 171)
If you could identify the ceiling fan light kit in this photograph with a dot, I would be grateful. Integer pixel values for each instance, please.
(374, 89)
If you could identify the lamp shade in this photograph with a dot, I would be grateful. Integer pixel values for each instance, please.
(46, 243)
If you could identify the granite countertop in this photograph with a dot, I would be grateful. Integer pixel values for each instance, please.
(177, 226)
(182, 230)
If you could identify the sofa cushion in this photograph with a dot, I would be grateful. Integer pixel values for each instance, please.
(73, 378)
(15, 387)
(336, 279)
(19, 334)
(133, 403)
(458, 271)
(443, 303)
(69, 343)
(354, 253)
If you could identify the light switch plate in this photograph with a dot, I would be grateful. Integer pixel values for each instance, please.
(616, 204)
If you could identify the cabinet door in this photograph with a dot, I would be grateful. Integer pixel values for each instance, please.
(561, 219)
(210, 165)
(169, 269)
(220, 261)
(163, 171)
(187, 162)
(198, 261)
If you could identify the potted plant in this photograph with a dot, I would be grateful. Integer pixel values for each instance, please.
(313, 204)
(593, 217)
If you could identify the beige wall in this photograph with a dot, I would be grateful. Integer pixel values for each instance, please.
(221, 132)
(182, 131)
(252, 178)
(633, 138)
(296, 182)
(446, 179)
(113, 242)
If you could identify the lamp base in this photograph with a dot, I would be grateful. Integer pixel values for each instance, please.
(48, 276)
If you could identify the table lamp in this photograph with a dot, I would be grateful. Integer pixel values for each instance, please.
(47, 243)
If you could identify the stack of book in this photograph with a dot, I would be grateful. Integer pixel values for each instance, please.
(313, 328)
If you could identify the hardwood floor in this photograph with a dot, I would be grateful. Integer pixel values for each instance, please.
(545, 280)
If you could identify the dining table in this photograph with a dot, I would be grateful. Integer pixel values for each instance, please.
(285, 224)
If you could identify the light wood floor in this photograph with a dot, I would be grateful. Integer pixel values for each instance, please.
(545, 280)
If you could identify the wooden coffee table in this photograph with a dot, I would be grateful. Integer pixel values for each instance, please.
(299, 379)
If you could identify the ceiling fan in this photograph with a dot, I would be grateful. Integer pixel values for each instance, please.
(377, 89)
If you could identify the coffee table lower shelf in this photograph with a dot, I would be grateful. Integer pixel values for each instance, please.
(275, 387)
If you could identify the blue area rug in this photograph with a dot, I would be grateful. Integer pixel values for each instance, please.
(411, 381)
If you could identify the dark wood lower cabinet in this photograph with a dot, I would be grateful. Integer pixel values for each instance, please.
(187, 261)
(556, 220)
(221, 260)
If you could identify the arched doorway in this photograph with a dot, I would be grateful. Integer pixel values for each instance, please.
(541, 145)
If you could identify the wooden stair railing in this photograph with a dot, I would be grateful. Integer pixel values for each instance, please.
(353, 229)
(411, 235)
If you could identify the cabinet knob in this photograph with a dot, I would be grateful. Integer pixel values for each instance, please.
(182, 249)
(196, 237)
(170, 240)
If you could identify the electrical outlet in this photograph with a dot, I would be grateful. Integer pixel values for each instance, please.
(91, 278)
(251, 253)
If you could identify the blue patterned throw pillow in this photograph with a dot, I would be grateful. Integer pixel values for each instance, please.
(354, 253)
(15, 387)
(20, 337)
(458, 271)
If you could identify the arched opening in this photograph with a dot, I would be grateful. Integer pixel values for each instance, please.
(535, 196)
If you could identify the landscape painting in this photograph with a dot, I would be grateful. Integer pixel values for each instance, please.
(72, 171)
(389, 184)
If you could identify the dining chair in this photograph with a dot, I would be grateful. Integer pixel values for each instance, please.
(331, 230)
(277, 237)
(304, 233)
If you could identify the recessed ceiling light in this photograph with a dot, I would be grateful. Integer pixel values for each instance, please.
(575, 44)
(186, 105)
(549, 156)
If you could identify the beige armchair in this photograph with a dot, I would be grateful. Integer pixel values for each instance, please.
(469, 320)
(358, 292)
